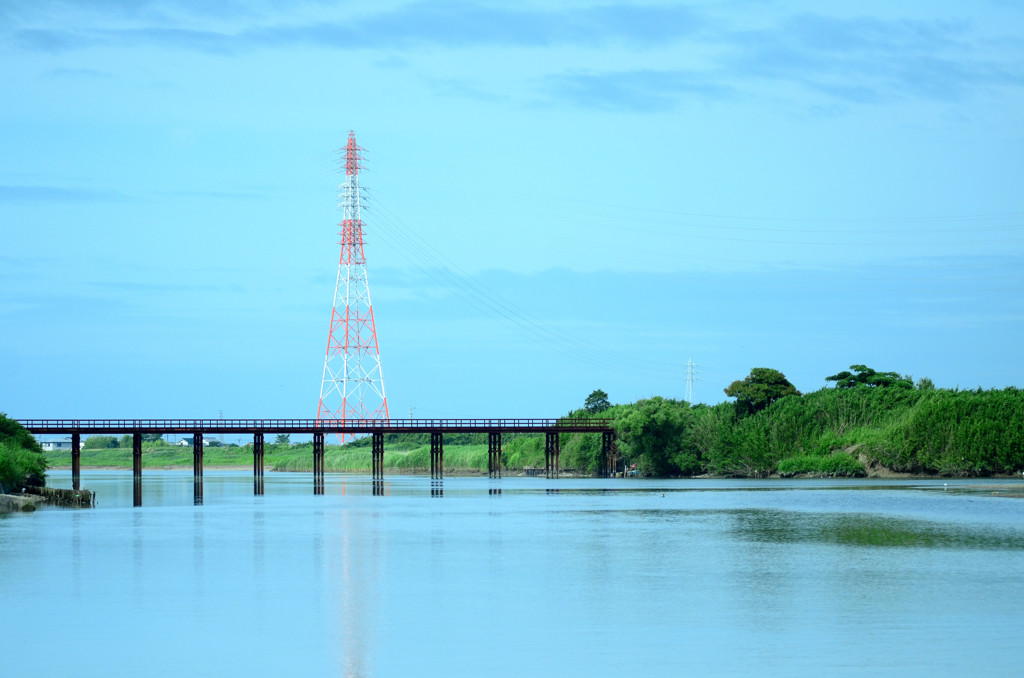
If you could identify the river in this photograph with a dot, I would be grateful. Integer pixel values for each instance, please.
(515, 577)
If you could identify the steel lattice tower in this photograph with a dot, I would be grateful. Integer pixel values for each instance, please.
(353, 384)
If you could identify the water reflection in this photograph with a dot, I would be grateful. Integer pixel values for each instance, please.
(356, 556)
(76, 553)
(858, 529)
(198, 561)
(138, 553)
(740, 581)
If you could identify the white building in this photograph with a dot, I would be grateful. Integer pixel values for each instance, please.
(187, 442)
(59, 444)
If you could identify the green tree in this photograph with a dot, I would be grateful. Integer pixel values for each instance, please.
(863, 375)
(21, 458)
(152, 437)
(925, 384)
(100, 442)
(283, 439)
(655, 435)
(596, 402)
(759, 389)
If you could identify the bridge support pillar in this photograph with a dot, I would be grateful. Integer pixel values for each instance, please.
(76, 460)
(377, 455)
(318, 463)
(607, 454)
(257, 463)
(551, 452)
(436, 454)
(494, 454)
(197, 468)
(136, 469)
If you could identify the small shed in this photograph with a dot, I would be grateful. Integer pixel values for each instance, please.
(187, 442)
(59, 444)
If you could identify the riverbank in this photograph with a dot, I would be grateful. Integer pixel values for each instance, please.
(871, 473)
(862, 432)
(35, 497)
(15, 503)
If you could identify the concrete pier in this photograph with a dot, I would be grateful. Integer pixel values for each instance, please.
(197, 468)
(494, 454)
(76, 461)
(318, 463)
(436, 455)
(136, 469)
(551, 454)
(257, 463)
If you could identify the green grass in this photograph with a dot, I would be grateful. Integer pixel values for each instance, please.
(154, 456)
(834, 465)
(457, 458)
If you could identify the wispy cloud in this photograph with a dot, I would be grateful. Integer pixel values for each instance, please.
(866, 60)
(638, 90)
(844, 60)
(51, 40)
(55, 194)
(79, 73)
(858, 60)
(452, 25)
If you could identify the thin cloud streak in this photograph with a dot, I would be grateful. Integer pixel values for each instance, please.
(55, 194)
(860, 60)
(634, 91)
(869, 60)
(457, 25)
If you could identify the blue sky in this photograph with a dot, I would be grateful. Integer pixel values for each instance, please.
(562, 197)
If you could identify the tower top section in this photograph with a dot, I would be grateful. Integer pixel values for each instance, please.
(353, 161)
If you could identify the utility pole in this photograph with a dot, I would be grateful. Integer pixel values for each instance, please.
(690, 378)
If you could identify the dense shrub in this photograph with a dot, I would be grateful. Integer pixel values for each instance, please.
(949, 432)
(835, 465)
(21, 457)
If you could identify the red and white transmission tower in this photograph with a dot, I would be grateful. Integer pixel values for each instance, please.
(353, 384)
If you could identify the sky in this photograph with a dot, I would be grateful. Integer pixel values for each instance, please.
(560, 197)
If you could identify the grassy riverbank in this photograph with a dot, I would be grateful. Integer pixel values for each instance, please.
(401, 456)
(833, 432)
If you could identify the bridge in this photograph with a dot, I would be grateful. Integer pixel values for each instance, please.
(376, 428)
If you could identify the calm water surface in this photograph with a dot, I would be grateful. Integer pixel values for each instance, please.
(549, 577)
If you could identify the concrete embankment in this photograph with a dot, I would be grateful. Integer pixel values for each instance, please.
(12, 503)
(34, 497)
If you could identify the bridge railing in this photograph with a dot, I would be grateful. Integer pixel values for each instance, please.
(309, 425)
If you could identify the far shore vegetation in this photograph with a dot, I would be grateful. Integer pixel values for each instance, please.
(868, 423)
(22, 463)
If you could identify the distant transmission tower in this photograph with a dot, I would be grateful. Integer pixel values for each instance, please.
(353, 384)
(690, 378)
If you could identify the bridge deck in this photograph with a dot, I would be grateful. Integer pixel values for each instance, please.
(242, 426)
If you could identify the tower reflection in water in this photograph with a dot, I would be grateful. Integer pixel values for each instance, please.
(356, 557)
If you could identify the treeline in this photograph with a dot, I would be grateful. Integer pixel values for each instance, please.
(21, 458)
(833, 432)
(867, 423)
